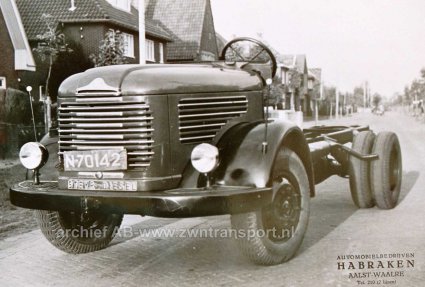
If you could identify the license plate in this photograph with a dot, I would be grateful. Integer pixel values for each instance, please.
(95, 160)
(115, 185)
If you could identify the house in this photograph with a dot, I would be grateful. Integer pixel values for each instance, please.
(317, 84)
(221, 42)
(16, 56)
(297, 97)
(85, 24)
(16, 59)
(175, 31)
(191, 26)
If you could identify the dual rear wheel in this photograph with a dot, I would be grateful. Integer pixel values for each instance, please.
(377, 182)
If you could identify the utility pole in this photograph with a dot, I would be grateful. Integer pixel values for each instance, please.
(142, 40)
(330, 113)
(364, 97)
(337, 103)
(370, 96)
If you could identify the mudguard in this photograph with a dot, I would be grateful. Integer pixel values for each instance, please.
(50, 172)
(242, 160)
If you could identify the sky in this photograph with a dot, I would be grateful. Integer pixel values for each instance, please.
(381, 41)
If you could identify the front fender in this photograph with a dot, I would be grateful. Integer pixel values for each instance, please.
(243, 161)
(50, 172)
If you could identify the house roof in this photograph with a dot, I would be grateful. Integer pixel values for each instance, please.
(317, 73)
(221, 42)
(23, 56)
(183, 20)
(86, 11)
(299, 62)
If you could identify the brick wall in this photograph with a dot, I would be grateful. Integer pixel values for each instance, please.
(7, 56)
(88, 35)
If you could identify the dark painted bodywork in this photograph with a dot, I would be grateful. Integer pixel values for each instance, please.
(170, 181)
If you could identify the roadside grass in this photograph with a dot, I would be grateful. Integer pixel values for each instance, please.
(13, 220)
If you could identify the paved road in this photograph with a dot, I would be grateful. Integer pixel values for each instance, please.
(336, 228)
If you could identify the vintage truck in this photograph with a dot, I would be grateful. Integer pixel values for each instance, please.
(193, 140)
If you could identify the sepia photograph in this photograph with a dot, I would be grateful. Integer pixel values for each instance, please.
(212, 143)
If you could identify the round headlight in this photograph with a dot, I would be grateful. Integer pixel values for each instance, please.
(204, 158)
(33, 155)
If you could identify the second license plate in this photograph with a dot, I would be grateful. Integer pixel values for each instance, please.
(95, 160)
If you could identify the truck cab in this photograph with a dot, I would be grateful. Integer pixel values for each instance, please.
(184, 141)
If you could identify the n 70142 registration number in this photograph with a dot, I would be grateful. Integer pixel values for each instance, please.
(95, 160)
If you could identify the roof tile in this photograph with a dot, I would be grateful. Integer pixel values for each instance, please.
(183, 20)
(86, 11)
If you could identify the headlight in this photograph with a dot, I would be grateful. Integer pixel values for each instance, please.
(204, 158)
(33, 155)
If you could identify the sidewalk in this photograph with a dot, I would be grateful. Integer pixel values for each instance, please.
(8, 163)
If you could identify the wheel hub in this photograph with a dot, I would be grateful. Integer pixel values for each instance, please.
(280, 219)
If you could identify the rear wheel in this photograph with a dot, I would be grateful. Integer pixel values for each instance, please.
(358, 171)
(386, 172)
(273, 234)
(73, 233)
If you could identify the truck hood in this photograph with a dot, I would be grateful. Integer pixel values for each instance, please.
(160, 79)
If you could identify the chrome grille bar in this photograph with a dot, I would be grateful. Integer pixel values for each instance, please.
(102, 119)
(99, 120)
(122, 107)
(201, 118)
(212, 114)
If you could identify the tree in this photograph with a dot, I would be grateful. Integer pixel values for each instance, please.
(51, 43)
(111, 50)
(376, 99)
(417, 89)
(329, 94)
(406, 94)
(277, 93)
(358, 96)
(423, 73)
(67, 64)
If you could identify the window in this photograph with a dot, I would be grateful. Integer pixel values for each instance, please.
(121, 4)
(150, 50)
(2, 82)
(207, 56)
(161, 53)
(128, 40)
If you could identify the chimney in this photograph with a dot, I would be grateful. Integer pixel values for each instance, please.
(72, 6)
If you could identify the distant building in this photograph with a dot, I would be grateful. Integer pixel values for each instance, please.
(317, 85)
(221, 42)
(315, 91)
(297, 98)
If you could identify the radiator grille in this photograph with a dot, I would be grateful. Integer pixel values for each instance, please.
(106, 120)
(201, 118)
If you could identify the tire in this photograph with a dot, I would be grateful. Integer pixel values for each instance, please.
(386, 172)
(67, 231)
(358, 171)
(287, 215)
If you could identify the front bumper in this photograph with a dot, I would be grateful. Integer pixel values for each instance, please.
(184, 202)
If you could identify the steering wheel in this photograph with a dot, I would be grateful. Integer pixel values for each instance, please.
(259, 53)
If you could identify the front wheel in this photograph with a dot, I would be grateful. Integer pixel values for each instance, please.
(273, 234)
(73, 233)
